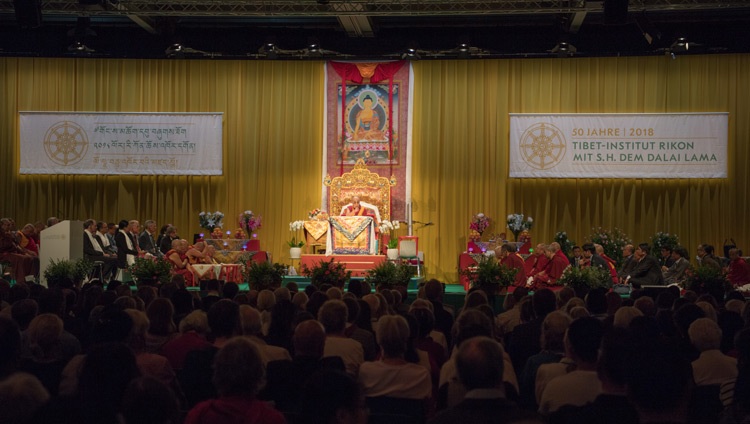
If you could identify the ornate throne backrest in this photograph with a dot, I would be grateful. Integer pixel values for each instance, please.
(369, 186)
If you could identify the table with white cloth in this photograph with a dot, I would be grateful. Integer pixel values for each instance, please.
(351, 235)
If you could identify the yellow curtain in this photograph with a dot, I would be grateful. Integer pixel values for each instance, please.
(273, 126)
(461, 129)
(272, 140)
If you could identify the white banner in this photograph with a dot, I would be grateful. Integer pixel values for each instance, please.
(121, 143)
(689, 145)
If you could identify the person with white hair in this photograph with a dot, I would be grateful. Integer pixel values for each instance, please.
(393, 375)
(712, 366)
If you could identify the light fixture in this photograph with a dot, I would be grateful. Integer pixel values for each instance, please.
(411, 52)
(681, 44)
(175, 50)
(79, 48)
(313, 46)
(464, 51)
(563, 49)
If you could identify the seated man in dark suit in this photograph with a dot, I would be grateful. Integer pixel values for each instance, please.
(285, 379)
(647, 270)
(676, 272)
(479, 363)
(93, 251)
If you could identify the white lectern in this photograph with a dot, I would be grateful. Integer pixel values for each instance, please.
(63, 240)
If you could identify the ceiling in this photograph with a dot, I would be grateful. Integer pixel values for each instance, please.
(371, 29)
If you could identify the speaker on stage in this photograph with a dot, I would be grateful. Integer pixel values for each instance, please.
(615, 12)
(28, 13)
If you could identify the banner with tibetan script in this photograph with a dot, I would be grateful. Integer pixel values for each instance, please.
(668, 145)
(121, 143)
(367, 115)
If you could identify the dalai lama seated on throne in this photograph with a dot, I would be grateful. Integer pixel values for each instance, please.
(358, 208)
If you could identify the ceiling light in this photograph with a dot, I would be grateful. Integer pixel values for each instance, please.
(79, 48)
(680, 45)
(563, 49)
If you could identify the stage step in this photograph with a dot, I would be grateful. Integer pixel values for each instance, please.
(357, 264)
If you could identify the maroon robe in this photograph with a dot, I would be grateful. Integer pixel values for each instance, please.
(514, 261)
(554, 270)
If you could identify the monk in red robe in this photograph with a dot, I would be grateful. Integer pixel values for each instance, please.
(356, 209)
(510, 258)
(555, 267)
(22, 261)
(180, 263)
(537, 261)
(738, 271)
(611, 264)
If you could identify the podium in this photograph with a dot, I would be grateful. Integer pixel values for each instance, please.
(61, 241)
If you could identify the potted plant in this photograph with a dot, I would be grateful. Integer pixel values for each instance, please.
(295, 244)
(389, 274)
(263, 275)
(392, 251)
(708, 280)
(490, 276)
(65, 273)
(327, 272)
(583, 279)
(151, 271)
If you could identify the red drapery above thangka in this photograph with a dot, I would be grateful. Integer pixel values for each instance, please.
(367, 112)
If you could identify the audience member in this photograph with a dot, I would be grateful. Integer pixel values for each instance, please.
(480, 363)
(148, 401)
(237, 376)
(287, 377)
(193, 330)
(21, 396)
(333, 316)
(581, 385)
(712, 366)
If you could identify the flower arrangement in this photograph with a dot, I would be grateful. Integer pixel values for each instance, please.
(583, 279)
(489, 274)
(479, 223)
(387, 226)
(516, 224)
(295, 226)
(612, 241)
(317, 214)
(566, 244)
(151, 270)
(249, 222)
(661, 239)
(393, 243)
(210, 220)
(389, 274)
(331, 272)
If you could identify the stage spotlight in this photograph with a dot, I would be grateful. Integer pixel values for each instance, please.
(680, 45)
(563, 49)
(175, 50)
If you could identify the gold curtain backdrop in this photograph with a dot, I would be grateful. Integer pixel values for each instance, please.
(273, 126)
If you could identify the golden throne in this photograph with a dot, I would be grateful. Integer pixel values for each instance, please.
(371, 188)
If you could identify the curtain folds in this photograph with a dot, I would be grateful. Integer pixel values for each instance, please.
(273, 126)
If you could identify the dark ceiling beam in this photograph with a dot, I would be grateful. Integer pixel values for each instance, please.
(410, 8)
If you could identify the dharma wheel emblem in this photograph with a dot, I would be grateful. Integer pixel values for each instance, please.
(542, 146)
(66, 143)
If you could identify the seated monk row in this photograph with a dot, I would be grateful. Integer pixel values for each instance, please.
(182, 256)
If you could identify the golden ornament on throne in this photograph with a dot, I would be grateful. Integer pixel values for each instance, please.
(372, 190)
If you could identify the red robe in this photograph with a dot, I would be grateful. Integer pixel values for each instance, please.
(363, 211)
(553, 271)
(535, 264)
(177, 267)
(612, 268)
(515, 261)
(738, 272)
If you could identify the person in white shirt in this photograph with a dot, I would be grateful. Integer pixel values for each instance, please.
(333, 315)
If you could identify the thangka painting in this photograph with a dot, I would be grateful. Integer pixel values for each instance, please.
(367, 112)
